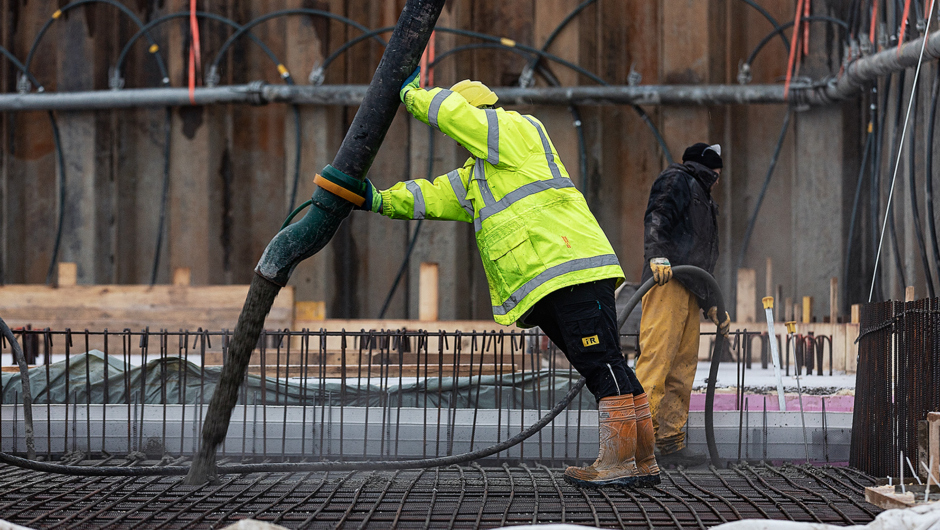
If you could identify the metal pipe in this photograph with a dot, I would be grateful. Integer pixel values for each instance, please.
(259, 93)
(857, 73)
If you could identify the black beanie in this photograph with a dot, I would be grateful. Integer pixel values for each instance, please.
(704, 154)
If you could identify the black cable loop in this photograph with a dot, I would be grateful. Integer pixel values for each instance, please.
(60, 160)
(130, 14)
(287, 12)
(778, 30)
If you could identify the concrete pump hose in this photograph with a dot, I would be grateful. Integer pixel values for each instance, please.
(693, 271)
(291, 467)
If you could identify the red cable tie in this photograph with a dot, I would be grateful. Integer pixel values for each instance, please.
(794, 43)
(806, 13)
(194, 51)
(907, 11)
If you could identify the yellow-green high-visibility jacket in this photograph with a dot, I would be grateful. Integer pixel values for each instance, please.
(533, 227)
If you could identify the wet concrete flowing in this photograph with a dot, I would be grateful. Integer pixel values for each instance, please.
(250, 322)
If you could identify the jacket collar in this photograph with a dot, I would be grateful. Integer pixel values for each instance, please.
(704, 175)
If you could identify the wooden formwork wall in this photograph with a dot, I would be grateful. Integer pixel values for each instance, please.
(232, 167)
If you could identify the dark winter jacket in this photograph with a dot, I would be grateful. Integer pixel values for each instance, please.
(681, 224)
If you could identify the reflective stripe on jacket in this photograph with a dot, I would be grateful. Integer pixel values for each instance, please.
(533, 227)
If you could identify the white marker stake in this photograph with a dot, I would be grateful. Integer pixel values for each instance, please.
(774, 353)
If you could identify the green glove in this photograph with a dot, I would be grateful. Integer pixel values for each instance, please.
(662, 270)
(373, 202)
(410, 83)
(723, 325)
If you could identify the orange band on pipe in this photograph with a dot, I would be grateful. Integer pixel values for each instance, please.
(338, 190)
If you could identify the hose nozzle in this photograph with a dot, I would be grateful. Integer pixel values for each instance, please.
(329, 205)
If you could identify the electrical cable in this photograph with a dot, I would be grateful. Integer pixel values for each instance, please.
(760, 198)
(915, 213)
(780, 29)
(164, 195)
(414, 236)
(869, 146)
(931, 125)
(874, 189)
(509, 43)
(55, 127)
(130, 14)
(920, 61)
(288, 12)
(276, 467)
(144, 30)
(60, 160)
(899, 143)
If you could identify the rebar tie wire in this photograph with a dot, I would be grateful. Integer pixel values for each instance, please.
(897, 164)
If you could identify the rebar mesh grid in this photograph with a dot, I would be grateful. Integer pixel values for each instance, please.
(455, 497)
(897, 382)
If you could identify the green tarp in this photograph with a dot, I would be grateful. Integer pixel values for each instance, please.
(88, 378)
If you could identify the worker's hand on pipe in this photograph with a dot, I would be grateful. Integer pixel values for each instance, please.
(373, 202)
(724, 326)
(410, 83)
(662, 270)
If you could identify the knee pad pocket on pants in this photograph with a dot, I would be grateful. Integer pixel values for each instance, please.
(582, 323)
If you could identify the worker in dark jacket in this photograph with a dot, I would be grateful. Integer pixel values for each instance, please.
(681, 228)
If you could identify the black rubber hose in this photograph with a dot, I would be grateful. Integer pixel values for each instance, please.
(292, 467)
(691, 270)
(411, 464)
(931, 124)
(20, 359)
(912, 180)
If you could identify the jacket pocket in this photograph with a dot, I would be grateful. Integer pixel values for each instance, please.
(515, 259)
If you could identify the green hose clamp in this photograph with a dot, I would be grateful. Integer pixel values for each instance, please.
(342, 185)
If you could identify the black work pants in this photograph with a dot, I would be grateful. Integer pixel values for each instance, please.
(582, 321)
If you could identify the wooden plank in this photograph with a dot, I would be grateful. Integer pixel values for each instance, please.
(135, 306)
(910, 294)
(856, 313)
(67, 274)
(310, 310)
(769, 278)
(807, 313)
(746, 306)
(427, 291)
(933, 443)
(182, 276)
(834, 300)
(885, 497)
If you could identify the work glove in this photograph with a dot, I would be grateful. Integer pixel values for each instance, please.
(662, 270)
(725, 325)
(373, 202)
(410, 83)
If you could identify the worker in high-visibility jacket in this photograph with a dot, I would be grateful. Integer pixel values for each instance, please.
(547, 261)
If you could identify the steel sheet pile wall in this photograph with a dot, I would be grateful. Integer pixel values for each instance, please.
(897, 382)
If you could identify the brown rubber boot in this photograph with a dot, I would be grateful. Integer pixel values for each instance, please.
(647, 469)
(615, 462)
